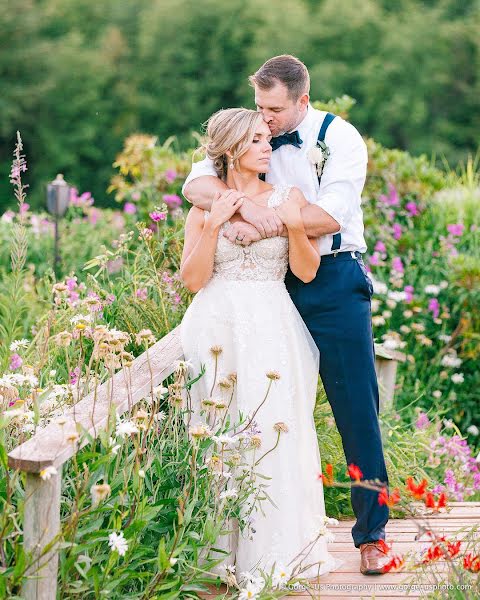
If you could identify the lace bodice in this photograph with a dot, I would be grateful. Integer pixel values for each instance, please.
(265, 260)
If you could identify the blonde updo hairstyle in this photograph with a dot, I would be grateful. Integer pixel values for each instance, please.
(230, 130)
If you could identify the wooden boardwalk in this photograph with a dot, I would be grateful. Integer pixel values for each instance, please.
(348, 582)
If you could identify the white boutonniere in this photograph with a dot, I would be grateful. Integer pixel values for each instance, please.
(318, 156)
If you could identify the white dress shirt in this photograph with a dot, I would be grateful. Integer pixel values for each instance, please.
(342, 180)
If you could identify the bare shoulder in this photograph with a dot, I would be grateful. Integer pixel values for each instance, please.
(296, 197)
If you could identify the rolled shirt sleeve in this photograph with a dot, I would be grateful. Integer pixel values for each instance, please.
(344, 173)
(199, 169)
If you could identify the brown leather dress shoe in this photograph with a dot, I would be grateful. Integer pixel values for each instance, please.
(374, 557)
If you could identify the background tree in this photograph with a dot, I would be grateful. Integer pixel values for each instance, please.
(79, 77)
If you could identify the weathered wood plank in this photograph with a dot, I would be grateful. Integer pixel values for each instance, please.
(50, 446)
(41, 525)
(400, 536)
(347, 581)
(386, 362)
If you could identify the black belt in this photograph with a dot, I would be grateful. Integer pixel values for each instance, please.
(337, 256)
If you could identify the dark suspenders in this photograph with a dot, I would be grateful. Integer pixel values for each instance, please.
(337, 237)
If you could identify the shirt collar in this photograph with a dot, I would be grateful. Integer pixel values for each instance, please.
(305, 124)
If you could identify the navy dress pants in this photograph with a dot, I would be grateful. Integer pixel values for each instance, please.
(336, 309)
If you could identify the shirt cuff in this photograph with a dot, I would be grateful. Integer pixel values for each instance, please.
(330, 204)
(199, 169)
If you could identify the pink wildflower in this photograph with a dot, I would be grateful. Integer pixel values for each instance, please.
(172, 200)
(157, 216)
(412, 209)
(456, 229)
(397, 264)
(170, 175)
(15, 362)
(408, 289)
(397, 231)
(423, 421)
(392, 198)
(434, 307)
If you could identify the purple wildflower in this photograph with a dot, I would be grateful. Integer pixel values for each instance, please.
(456, 229)
(172, 200)
(434, 307)
(412, 209)
(392, 197)
(157, 216)
(423, 421)
(397, 231)
(170, 175)
(74, 375)
(71, 283)
(15, 362)
(397, 264)
(408, 289)
(129, 208)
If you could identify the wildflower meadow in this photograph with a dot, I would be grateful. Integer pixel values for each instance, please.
(144, 498)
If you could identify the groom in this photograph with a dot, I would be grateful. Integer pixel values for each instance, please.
(336, 304)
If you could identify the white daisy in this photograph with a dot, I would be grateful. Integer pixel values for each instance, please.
(117, 542)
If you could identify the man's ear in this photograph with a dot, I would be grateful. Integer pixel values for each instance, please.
(303, 101)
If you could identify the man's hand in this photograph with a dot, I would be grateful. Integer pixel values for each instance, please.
(242, 233)
(264, 219)
(291, 215)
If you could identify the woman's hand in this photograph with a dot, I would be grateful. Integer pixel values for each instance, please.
(242, 233)
(224, 206)
(291, 215)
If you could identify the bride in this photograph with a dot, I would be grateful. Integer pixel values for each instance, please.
(244, 312)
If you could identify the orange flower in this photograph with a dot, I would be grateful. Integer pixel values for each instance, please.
(453, 548)
(328, 478)
(417, 491)
(433, 553)
(436, 506)
(394, 565)
(384, 546)
(354, 472)
(384, 498)
(471, 563)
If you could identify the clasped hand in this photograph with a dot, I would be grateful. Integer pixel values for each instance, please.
(259, 222)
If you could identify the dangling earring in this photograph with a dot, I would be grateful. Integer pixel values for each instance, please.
(231, 165)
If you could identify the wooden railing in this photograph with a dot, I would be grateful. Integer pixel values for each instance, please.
(50, 447)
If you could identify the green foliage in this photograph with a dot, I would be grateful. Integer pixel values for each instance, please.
(78, 78)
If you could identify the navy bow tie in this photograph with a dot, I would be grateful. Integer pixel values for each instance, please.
(287, 138)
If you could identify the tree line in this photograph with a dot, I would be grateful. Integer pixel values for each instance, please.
(77, 77)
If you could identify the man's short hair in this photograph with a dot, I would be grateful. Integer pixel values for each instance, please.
(287, 69)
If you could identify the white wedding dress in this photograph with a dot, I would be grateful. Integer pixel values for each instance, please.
(246, 310)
